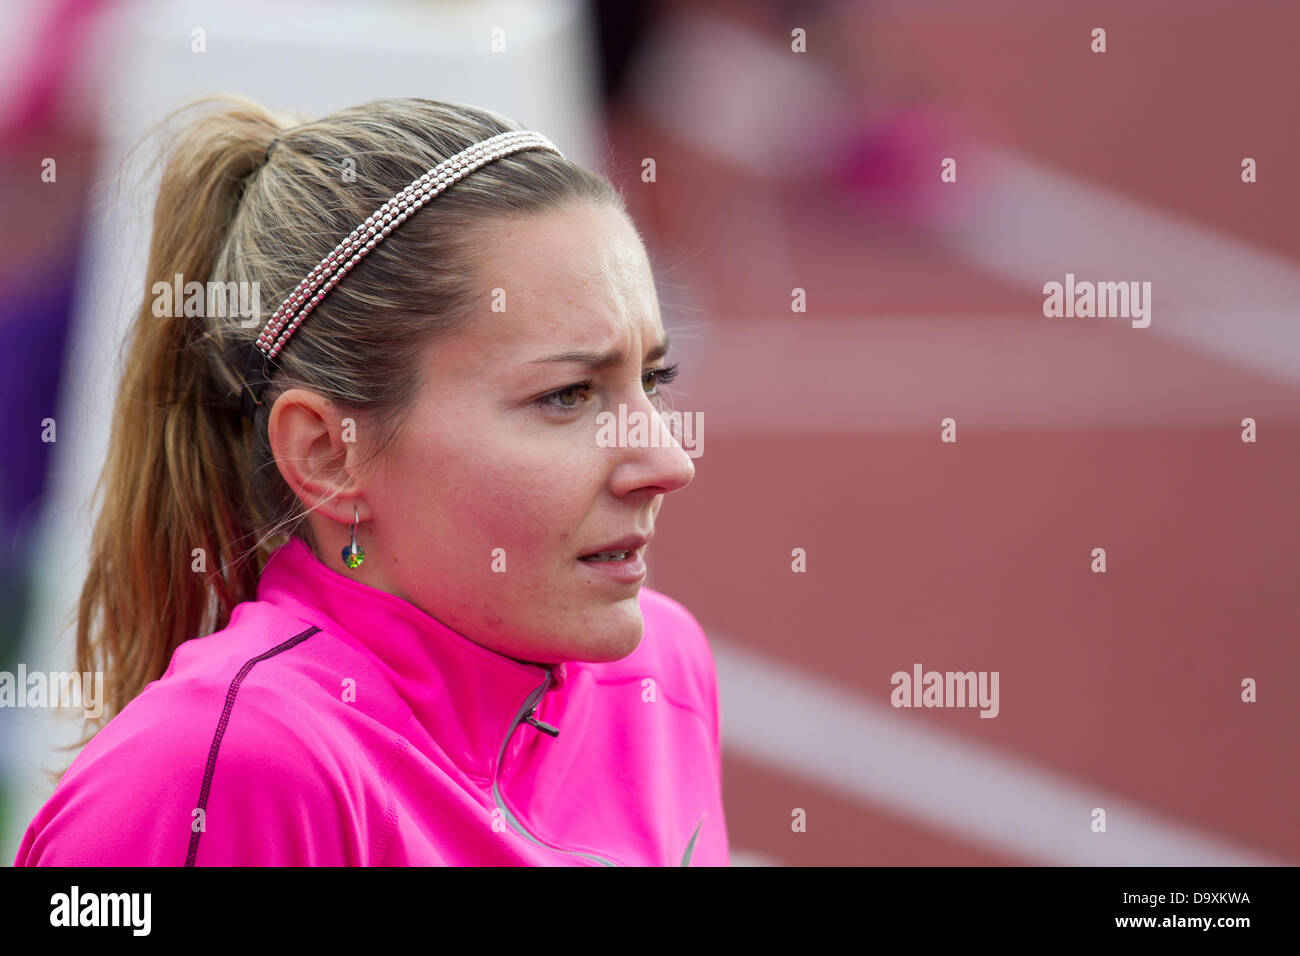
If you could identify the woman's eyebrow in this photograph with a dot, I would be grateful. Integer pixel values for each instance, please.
(597, 360)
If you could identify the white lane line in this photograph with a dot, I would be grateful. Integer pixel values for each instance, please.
(845, 376)
(777, 716)
(753, 858)
(1215, 292)
(1213, 297)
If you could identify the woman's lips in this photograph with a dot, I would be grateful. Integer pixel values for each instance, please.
(628, 571)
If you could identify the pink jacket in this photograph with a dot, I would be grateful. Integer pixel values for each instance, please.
(332, 723)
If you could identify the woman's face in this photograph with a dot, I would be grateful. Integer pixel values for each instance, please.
(479, 509)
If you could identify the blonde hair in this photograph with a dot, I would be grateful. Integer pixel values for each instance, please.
(185, 470)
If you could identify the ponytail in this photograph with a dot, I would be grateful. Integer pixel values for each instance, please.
(170, 550)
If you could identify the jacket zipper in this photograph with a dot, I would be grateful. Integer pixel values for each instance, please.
(526, 713)
(690, 847)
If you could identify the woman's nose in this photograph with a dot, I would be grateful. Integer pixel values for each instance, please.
(658, 445)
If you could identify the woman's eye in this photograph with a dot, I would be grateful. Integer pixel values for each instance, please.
(567, 397)
(546, 400)
(660, 376)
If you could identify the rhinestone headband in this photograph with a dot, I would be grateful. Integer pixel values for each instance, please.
(326, 274)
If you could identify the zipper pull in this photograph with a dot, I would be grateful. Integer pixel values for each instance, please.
(543, 726)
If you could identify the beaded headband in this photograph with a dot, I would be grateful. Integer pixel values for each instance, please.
(287, 318)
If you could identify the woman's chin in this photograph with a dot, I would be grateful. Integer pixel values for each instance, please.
(609, 637)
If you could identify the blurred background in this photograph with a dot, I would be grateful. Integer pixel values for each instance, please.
(779, 168)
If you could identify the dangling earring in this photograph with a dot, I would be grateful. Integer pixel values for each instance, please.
(353, 554)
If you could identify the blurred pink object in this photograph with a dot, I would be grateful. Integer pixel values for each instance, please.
(54, 53)
(890, 168)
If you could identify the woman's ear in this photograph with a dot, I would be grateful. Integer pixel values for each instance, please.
(315, 449)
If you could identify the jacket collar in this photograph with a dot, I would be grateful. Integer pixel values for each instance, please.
(465, 695)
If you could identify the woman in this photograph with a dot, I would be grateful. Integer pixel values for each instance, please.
(436, 666)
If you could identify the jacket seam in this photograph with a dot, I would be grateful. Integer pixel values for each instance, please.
(226, 710)
(390, 814)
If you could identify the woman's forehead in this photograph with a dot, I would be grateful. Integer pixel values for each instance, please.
(521, 341)
(580, 250)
